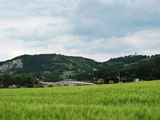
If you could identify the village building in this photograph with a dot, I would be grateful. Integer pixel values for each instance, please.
(100, 80)
(65, 83)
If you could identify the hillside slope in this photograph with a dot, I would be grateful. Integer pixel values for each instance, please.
(129, 61)
(52, 65)
(57, 67)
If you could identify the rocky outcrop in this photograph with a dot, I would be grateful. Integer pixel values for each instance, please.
(15, 64)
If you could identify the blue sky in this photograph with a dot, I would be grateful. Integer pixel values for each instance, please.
(96, 29)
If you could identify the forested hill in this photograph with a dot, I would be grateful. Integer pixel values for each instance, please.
(127, 69)
(56, 67)
(52, 65)
(129, 61)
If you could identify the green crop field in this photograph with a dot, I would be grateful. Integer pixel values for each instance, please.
(129, 101)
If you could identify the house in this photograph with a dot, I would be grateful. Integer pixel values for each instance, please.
(100, 80)
(132, 55)
(137, 80)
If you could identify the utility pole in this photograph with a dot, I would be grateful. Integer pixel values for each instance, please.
(42, 78)
(119, 77)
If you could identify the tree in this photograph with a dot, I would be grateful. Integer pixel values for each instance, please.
(156, 68)
(6, 79)
(27, 80)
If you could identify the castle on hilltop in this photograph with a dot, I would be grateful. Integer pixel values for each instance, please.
(132, 55)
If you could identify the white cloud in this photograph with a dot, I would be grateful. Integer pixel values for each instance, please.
(34, 28)
(98, 29)
(148, 39)
(100, 49)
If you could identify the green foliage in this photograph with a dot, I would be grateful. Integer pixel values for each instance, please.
(6, 80)
(57, 63)
(111, 82)
(50, 86)
(58, 67)
(23, 80)
(127, 59)
(130, 101)
(54, 67)
(131, 68)
(156, 67)
(126, 68)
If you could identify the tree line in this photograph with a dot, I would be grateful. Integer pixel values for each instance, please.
(19, 80)
(116, 72)
(144, 71)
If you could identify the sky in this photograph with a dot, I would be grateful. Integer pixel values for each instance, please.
(96, 29)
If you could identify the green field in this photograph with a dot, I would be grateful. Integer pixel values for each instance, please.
(129, 101)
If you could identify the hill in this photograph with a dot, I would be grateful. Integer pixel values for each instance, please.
(126, 69)
(129, 101)
(130, 68)
(129, 61)
(52, 65)
(57, 67)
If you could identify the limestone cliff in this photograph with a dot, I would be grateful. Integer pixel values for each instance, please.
(15, 64)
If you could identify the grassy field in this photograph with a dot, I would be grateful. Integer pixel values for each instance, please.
(130, 101)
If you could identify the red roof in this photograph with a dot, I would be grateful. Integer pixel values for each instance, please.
(100, 80)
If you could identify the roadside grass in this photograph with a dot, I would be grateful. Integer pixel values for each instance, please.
(128, 101)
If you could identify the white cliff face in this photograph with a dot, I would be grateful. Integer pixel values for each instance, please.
(10, 65)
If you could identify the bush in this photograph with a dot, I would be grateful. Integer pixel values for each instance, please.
(111, 82)
(50, 86)
(23, 80)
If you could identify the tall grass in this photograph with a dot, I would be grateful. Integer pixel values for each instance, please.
(130, 101)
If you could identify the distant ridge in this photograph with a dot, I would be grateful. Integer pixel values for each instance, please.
(53, 65)
(59, 66)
